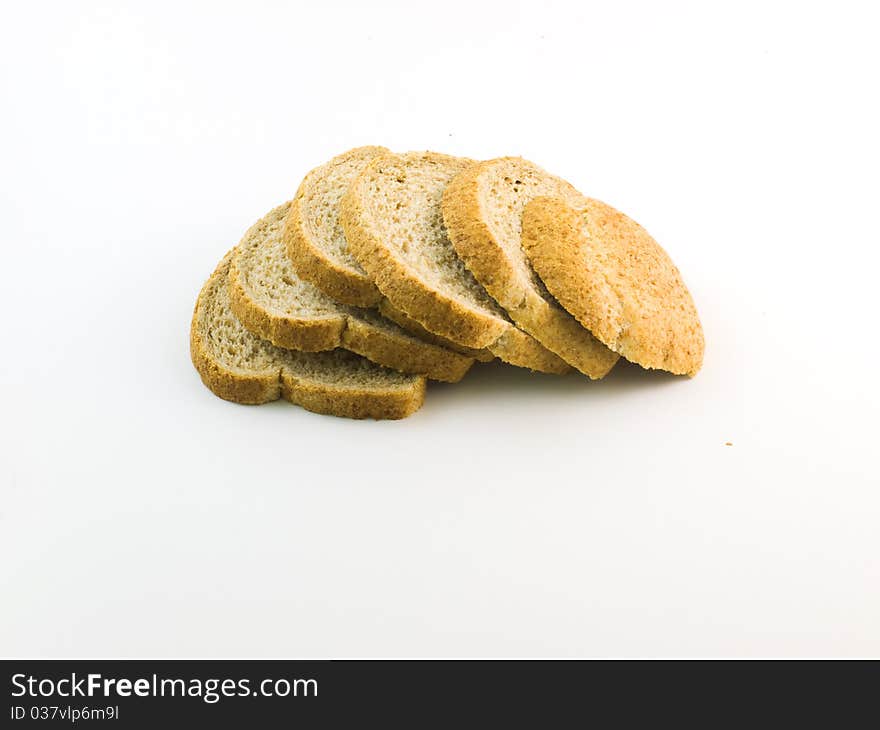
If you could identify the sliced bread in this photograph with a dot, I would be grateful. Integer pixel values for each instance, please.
(238, 366)
(606, 270)
(482, 210)
(272, 301)
(314, 237)
(393, 225)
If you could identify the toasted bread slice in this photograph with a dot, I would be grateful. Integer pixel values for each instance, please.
(270, 300)
(392, 223)
(314, 237)
(238, 366)
(606, 270)
(482, 209)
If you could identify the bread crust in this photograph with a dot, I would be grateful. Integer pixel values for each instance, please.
(616, 280)
(389, 311)
(311, 262)
(404, 354)
(473, 240)
(441, 314)
(269, 384)
(357, 403)
(515, 347)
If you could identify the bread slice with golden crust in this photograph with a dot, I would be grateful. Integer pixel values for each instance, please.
(606, 270)
(315, 241)
(320, 255)
(270, 299)
(393, 225)
(482, 209)
(238, 366)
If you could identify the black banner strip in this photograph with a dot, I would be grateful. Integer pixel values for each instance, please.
(265, 693)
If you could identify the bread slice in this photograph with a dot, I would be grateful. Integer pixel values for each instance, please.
(482, 209)
(238, 366)
(314, 238)
(392, 223)
(606, 270)
(270, 300)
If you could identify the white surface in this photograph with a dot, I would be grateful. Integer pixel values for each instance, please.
(513, 515)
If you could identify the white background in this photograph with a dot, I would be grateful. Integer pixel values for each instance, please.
(514, 515)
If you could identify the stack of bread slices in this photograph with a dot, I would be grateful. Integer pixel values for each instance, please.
(389, 269)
